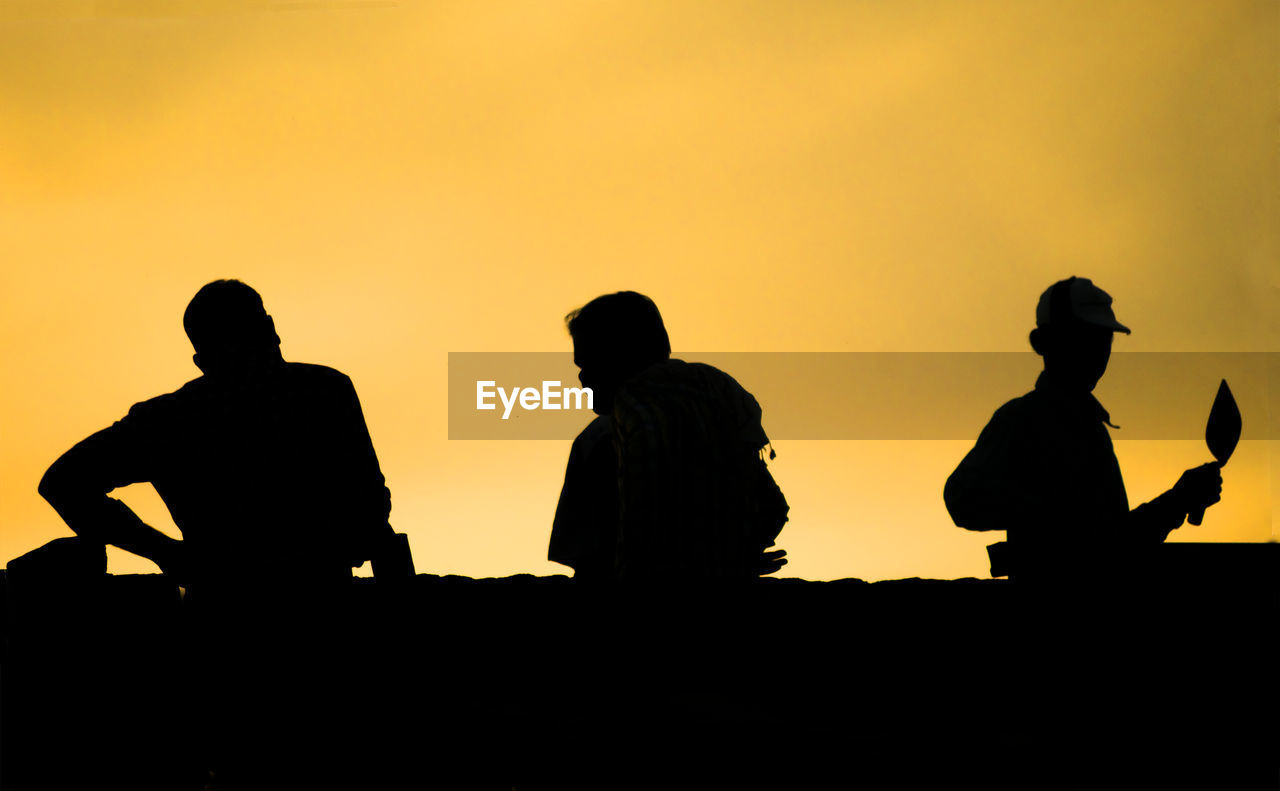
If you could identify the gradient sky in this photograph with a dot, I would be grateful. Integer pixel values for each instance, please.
(404, 179)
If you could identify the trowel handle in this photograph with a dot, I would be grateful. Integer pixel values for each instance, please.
(1196, 515)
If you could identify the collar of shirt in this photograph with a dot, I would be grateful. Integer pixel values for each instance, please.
(1082, 404)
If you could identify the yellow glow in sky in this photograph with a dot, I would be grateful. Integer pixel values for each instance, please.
(402, 180)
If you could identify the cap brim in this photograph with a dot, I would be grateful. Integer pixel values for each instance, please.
(1110, 324)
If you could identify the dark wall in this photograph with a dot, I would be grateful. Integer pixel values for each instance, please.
(538, 682)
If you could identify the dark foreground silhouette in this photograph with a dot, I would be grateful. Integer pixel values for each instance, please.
(542, 683)
(278, 670)
(266, 466)
(268, 471)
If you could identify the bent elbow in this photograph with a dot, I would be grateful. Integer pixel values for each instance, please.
(52, 485)
(953, 497)
(970, 512)
(59, 484)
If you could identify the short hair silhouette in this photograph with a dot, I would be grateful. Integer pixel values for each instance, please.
(227, 317)
(625, 323)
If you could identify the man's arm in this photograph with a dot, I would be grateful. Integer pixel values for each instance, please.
(584, 529)
(993, 487)
(1198, 487)
(367, 503)
(76, 485)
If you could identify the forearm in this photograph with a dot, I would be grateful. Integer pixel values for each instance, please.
(1152, 522)
(131, 534)
(106, 520)
(365, 523)
(78, 483)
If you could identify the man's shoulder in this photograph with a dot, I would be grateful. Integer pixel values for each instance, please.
(168, 403)
(679, 395)
(1033, 420)
(311, 386)
(598, 429)
(204, 391)
(318, 374)
(678, 379)
(1023, 407)
(677, 369)
(1016, 416)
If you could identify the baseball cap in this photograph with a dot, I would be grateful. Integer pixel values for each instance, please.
(1077, 300)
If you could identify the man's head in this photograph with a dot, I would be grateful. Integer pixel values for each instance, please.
(230, 328)
(1074, 329)
(615, 337)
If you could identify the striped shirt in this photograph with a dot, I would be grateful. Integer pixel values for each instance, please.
(696, 500)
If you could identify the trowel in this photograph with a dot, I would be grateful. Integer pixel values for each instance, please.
(1221, 434)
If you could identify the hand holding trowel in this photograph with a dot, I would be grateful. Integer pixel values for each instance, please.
(1221, 434)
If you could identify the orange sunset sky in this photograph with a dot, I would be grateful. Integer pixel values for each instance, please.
(400, 180)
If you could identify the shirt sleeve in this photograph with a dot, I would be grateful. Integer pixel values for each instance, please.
(365, 500)
(584, 530)
(994, 486)
(1152, 522)
(77, 484)
(121, 454)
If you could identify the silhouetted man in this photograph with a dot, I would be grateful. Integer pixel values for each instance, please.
(670, 481)
(268, 471)
(1044, 469)
(266, 466)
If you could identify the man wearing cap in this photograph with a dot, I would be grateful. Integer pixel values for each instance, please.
(1044, 469)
